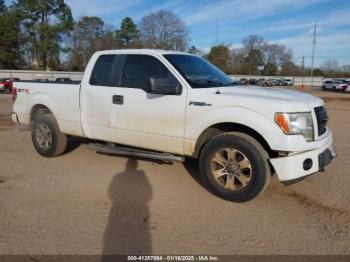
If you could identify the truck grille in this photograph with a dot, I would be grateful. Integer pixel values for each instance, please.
(322, 119)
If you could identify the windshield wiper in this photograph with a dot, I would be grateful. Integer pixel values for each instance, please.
(208, 83)
(220, 83)
(215, 82)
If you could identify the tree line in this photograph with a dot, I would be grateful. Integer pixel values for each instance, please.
(259, 57)
(37, 34)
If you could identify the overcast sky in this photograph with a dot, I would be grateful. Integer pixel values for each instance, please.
(289, 22)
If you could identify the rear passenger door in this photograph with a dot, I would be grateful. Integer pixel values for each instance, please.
(146, 120)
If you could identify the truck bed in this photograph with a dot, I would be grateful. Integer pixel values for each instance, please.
(63, 99)
(49, 82)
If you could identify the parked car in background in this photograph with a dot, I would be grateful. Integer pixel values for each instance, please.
(6, 84)
(347, 89)
(335, 85)
(63, 79)
(287, 82)
(267, 82)
(274, 82)
(243, 81)
(2, 85)
(263, 82)
(10, 81)
(260, 82)
(326, 85)
(280, 82)
(42, 79)
(252, 81)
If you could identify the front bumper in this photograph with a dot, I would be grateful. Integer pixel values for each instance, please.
(302, 164)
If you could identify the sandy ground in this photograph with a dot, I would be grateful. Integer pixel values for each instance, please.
(89, 203)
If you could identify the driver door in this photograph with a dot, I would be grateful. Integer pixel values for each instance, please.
(142, 119)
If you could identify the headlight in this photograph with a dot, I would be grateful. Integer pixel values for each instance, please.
(296, 124)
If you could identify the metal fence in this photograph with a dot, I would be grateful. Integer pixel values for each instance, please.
(77, 76)
(296, 80)
(33, 75)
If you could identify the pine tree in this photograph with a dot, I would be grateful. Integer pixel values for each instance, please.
(45, 23)
(128, 36)
(2, 7)
(10, 39)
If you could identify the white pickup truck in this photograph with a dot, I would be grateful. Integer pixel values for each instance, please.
(171, 105)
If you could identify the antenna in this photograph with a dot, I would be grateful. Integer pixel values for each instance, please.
(313, 56)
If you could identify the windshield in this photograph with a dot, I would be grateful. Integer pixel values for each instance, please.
(198, 72)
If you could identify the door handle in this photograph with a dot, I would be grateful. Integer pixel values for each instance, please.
(118, 100)
(195, 103)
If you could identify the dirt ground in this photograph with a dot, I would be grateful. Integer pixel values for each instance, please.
(89, 203)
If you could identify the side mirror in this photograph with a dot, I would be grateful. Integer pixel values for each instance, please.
(163, 86)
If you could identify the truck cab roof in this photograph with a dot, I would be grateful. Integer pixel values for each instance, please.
(142, 51)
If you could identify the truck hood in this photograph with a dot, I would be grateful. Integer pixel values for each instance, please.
(267, 92)
(258, 97)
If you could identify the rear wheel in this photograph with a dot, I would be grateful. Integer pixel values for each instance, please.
(235, 167)
(46, 136)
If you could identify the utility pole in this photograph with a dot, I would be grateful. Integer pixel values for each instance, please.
(313, 56)
(302, 65)
(302, 71)
(217, 32)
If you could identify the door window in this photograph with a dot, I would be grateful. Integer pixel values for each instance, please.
(139, 68)
(107, 70)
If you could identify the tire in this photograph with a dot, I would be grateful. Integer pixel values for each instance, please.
(246, 150)
(324, 88)
(46, 136)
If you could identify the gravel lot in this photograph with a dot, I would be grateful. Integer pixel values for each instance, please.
(89, 203)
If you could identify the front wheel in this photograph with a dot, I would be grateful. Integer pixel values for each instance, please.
(235, 167)
(46, 136)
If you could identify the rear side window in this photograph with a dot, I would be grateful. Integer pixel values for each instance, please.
(102, 74)
(139, 68)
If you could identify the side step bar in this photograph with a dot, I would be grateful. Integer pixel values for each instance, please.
(127, 151)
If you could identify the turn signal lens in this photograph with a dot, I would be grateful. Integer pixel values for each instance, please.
(282, 120)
